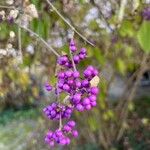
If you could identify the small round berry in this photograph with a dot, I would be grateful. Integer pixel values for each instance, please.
(67, 141)
(75, 133)
(95, 72)
(76, 59)
(70, 82)
(62, 141)
(83, 50)
(77, 97)
(66, 87)
(51, 143)
(76, 74)
(82, 56)
(61, 75)
(49, 134)
(85, 83)
(86, 101)
(78, 83)
(92, 98)
(79, 107)
(87, 73)
(88, 107)
(71, 123)
(94, 90)
(48, 87)
(73, 48)
(53, 113)
(67, 128)
(68, 74)
(72, 43)
(46, 140)
(93, 103)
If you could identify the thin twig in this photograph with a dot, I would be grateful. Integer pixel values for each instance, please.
(102, 15)
(7, 7)
(124, 112)
(68, 23)
(40, 38)
(19, 43)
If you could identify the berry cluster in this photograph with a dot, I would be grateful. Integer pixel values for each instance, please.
(61, 136)
(56, 110)
(81, 94)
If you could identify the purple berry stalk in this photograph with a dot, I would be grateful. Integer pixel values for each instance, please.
(81, 95)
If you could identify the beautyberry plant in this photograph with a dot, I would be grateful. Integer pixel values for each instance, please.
(81, 93)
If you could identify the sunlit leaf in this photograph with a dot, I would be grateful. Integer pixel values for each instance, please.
(144, 36)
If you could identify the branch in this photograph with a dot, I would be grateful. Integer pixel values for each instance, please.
(7, 7)
(19, 43)
(68, 23)
(101, 14)
(40, 38)
(124, 112)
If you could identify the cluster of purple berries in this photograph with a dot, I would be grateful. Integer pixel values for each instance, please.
(81, 94)
(146, 14)
(56, 110)
(61, 136)
(66, 62)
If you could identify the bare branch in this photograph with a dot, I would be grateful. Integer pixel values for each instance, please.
(7, 7)
(68, 23)
(40, 38)
(20, 43)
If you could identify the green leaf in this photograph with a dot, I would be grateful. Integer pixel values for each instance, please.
(144, 36)
(121, 66)
(127, 29)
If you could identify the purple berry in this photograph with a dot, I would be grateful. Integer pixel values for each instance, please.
(76, 59)
(51, 143)
(87, 73)
(67, 141)
(94, 90)
(85, 83)
(78, 83)
(79, 107)
(88, 107)
(92, 98)
(68, 74)
(73, 48)
(75, 133)
(76, 74)
(67, 128)
(86, 101)
(71, 124)
(83, 50)
(66, 87)
(93, 103)
(61, 75)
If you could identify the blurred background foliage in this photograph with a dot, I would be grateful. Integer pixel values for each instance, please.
(121, 53)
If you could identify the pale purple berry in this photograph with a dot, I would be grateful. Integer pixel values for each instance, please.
(76, 74)
(88, 107)
(86, 101)
(94, 90)
(75, 133)
(92, 98)
(76, 59)
(79, 107)
(93, 103)
(66, 87)
(51, 143)
(71, 123)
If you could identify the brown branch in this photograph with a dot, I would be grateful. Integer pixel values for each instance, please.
(124, 112)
